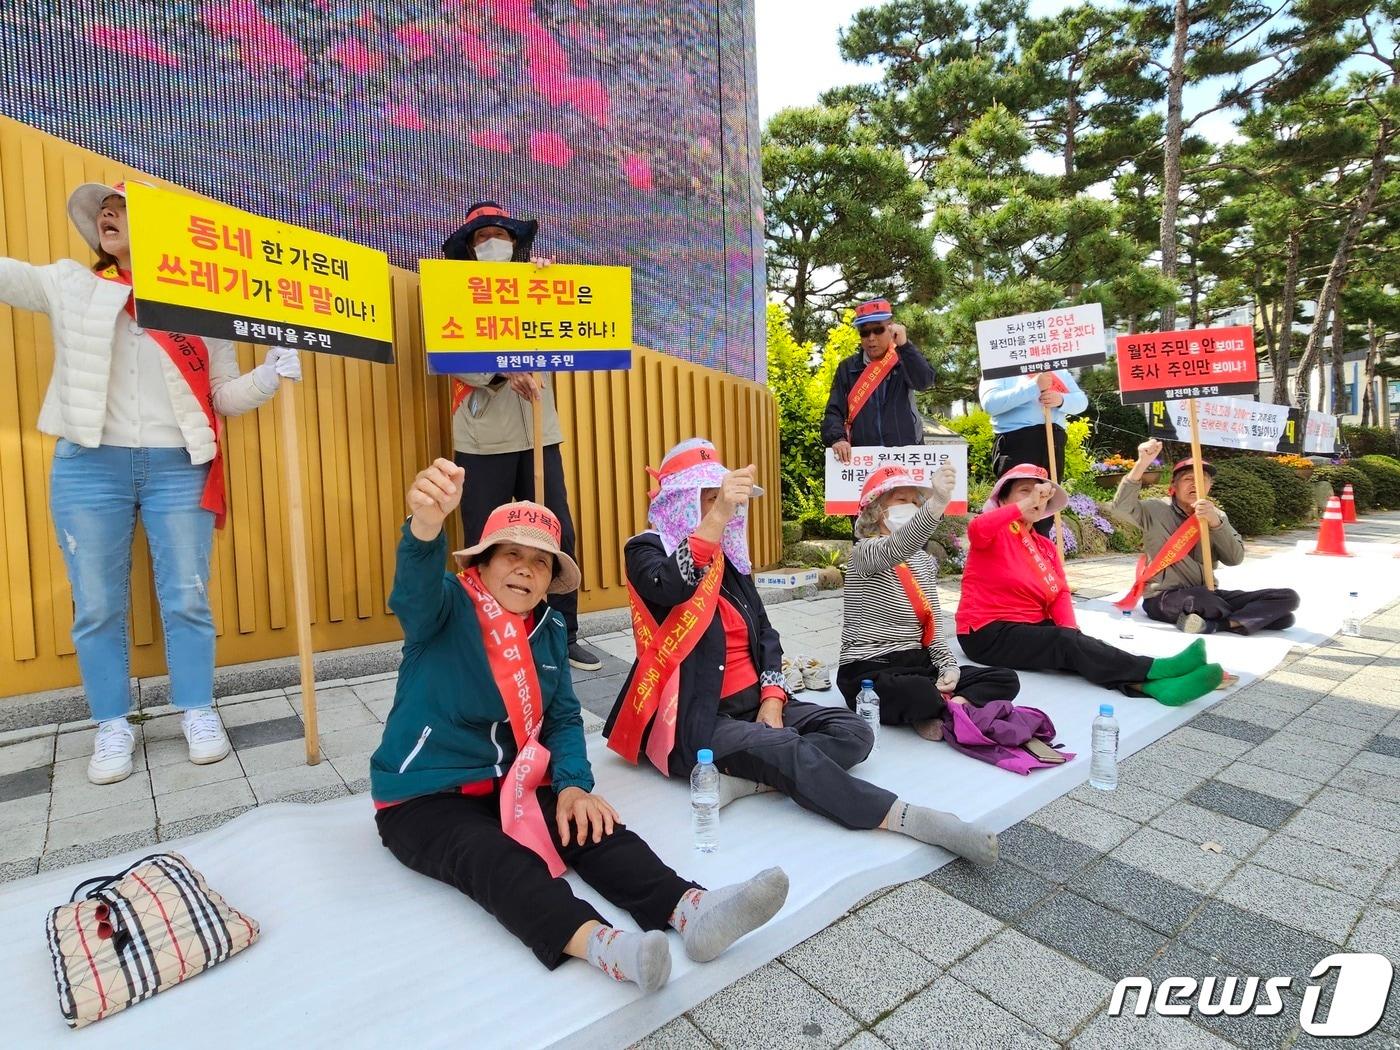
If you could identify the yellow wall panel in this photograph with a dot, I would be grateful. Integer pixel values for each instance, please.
(365, 431)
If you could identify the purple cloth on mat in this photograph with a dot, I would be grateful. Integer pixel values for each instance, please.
(995, 731)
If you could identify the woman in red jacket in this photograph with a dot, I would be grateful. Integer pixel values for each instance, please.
(1015, 609)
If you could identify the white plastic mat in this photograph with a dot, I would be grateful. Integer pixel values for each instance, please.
(358, 951)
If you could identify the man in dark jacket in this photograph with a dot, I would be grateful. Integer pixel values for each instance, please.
(872, 393)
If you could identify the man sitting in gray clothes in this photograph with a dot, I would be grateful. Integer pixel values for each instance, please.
(1178, 594)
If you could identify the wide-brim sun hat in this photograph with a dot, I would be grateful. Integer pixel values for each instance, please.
(529, 525)
(887, 479)
(85, 204)
(693, 464)
(484, 214)
(1058, 502)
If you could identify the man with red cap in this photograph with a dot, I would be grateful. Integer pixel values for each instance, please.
(1172, 575)
(493, 435)
(872, 393)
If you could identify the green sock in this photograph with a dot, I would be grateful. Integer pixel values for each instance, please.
(1184, 688)
(1190, 658)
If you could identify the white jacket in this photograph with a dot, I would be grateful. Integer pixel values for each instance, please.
(84, 310)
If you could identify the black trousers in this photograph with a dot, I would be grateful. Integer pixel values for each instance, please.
(806, 760)
(1046, 646)
(1267, 610)
(457, 839)
(1027, 445)
(905, 682)
(506, 476)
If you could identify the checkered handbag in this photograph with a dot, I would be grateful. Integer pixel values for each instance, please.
(122, 938)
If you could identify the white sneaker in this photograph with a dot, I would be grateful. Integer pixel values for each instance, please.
(205, 735)
(111, 752)
(815, 674)
(792, 676)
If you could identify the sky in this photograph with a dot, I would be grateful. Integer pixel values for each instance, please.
(798, 57)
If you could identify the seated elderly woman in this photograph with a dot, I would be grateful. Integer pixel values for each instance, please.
(891, 634)
(709, 669)
(1015, 609)
(483, 768)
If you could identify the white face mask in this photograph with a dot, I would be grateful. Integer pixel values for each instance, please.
(496, 249)
(900, 515)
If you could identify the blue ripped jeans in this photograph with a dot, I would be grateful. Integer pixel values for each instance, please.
(96, 494)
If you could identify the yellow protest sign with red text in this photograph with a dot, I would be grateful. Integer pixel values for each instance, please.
(208, 269)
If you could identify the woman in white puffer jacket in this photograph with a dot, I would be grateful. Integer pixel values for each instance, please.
(135, 417)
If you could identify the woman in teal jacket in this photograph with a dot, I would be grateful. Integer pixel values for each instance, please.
(483, 767)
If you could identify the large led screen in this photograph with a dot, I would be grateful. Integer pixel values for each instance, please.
(628, 129)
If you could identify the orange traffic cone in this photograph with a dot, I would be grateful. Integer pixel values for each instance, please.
(1348, 503)
(1331, 535)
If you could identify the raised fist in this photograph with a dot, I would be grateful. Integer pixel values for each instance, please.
(435, 493)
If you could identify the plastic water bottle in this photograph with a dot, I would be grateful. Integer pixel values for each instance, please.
(1103, 767)
(868, 708)
(704, 802)
(1125, 625)
(1351, 620)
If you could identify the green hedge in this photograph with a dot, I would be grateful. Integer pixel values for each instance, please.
(1245, 497)
(1116, 427)
(976, 429)
(1384, 472)
(1365, 441)
(1362, 487)
(816, 524)
(809, 555)
(1293, 500)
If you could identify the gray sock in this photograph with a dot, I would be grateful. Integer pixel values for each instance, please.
(731, 788)
(709, 921)
(642, 958)
(937, 828)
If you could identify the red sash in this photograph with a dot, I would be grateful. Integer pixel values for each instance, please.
(191, 357)
(460, 390)
(923, 608)
(512, 666)
(660, 651)
(1045, 572)
(1180, 544)
(871, 378)
(663, 731)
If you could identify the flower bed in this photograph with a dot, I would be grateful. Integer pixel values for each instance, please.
(1111, 470)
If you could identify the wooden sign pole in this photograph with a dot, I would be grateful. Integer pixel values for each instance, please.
(1055, 478)
(537, 410)
(1199, 475)
(301, 589)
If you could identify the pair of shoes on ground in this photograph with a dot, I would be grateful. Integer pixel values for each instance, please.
(805, 672)
(116, 741)
(584, 658)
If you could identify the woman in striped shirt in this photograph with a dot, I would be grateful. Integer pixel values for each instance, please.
(892, 634)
